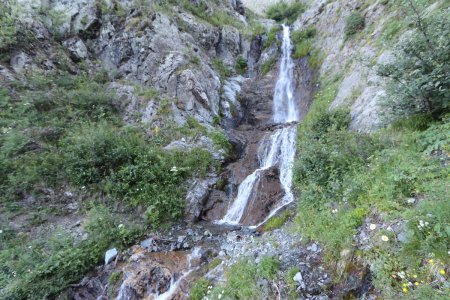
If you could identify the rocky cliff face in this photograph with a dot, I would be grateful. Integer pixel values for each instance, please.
(351, 60)
(163, 62)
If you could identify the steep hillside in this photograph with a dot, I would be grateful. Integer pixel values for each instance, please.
(198, 149)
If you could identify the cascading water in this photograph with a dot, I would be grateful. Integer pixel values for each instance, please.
(279, 147)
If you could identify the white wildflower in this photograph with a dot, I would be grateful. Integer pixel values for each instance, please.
(373, 226)
(384, 238)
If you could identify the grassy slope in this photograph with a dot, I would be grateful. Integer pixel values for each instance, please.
(394, 181)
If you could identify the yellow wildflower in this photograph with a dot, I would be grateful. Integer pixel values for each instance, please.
(431, 261)
(415, 275)
(442, 272)
(416, 283)
(405, 290)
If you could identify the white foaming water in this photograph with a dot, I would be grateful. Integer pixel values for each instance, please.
(279, 147)
(284, 105)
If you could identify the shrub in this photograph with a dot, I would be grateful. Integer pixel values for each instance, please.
(94, 151)
(8, 29)
(286, 12)
(240, 282)
(268, 267)
(303, 42)
(241, 65)
(418, 75)
(41, 268)
(353, 23)
(199, 289)
(220, 67)
(303, 34)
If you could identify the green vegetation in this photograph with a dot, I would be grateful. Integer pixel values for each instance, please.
(419, 81)
(63, 132)
(8, 28)
(277, 221)
(393, 176)
(271, 36)
(353, 23)
(43, 267)
(303, 42)
(268, 65)
(285, 12)
(221, 68)
(343, 177)
(199, 289)
(391, 29)
(205, 11)
(242, 279)
(241, 65)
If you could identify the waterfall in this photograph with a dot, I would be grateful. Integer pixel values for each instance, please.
(278, 148)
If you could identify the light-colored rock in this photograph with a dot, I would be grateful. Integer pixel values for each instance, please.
(77, 48)
(299, 279)
(110, 255)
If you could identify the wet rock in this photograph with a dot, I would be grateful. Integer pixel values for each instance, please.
(261, 203)
(110, 255)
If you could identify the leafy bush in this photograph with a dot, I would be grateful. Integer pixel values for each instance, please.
(353, 23)
(268, 267)
(242, 279)
(303, 34)
(8, 28)
(42, 268)
(436, 138)
(94, 152)
(199, 289)
(241, 65)
(286, 12)
(419, 81)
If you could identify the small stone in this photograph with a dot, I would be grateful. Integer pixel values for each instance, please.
(181, 238)
(110, 255)
(411, 200)
(299, 279)
(147, 243)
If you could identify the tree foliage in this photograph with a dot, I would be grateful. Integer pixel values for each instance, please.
(285, 12)
(420, 72)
